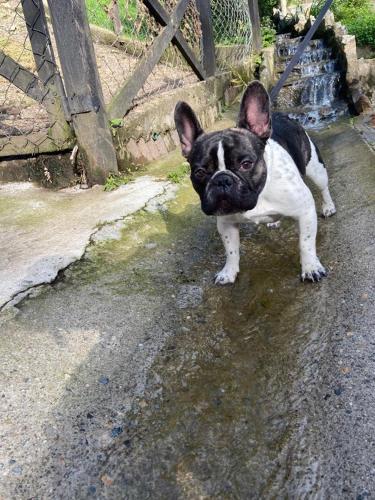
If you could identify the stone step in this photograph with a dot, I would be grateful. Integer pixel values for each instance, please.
(288, 48)
(312, 116)
(308, 70)
(295, 93)
(308, 57)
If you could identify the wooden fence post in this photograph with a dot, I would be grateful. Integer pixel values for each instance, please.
(208, 43)
(83, 88)
(255, 24)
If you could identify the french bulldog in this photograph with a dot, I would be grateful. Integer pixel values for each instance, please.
(254, 172)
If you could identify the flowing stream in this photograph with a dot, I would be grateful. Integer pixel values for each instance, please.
(312, 93)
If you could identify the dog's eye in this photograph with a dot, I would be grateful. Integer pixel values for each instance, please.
(246, 165)
(200, 173)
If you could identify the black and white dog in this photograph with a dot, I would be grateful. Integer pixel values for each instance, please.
(253, 172)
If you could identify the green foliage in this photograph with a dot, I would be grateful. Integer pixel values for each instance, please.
(266, 6)
(363, 27)
(177, 175)
(246, 73)
(116, 122)
(268, 32)
(357, 15)
(116, 180)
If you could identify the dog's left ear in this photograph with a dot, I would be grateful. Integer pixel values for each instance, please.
(187, 125)
(255, 114)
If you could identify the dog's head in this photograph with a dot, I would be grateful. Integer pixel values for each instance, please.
(227, 167)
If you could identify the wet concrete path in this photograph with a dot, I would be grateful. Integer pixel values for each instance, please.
(134, 377)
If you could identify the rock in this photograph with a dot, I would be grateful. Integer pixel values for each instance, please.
(362, 104)
(116, 431)
(329, 19)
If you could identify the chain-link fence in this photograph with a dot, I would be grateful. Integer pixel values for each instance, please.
(123, 32)
(29, 113)
(232, 32)
(118, 54)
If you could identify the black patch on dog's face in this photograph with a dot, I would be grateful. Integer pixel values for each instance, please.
(228, 181)
(235, 189)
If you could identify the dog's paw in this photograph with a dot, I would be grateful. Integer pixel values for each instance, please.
(328, 209)
(313, 272)
(226, 276)
(274, 225)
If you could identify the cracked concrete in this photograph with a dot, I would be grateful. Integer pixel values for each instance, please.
(42, 232)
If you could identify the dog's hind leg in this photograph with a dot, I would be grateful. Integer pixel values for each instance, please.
(317, 172)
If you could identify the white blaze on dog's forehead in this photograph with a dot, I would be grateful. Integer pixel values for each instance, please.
(220, 157)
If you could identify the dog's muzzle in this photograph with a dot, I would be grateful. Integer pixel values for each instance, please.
(223, 181)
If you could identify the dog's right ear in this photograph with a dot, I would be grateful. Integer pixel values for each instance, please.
(187, 125)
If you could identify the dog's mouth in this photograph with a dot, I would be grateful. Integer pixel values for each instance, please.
(223, 203)
(228, 202)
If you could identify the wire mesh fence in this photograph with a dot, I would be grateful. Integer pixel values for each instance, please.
(19, 114)
(232, 32)
(29, 113)
(123, 32)
(133, 32)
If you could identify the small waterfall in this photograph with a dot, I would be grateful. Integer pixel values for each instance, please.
(312, 92)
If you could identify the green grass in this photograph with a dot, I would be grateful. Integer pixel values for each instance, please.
(116, 180)
(179, 173)
(97, 15)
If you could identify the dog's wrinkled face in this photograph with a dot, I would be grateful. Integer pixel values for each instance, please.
(227, 167)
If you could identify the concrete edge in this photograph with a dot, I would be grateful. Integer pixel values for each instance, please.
(105, 231)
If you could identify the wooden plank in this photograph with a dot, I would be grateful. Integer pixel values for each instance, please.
(21, 77)
(81, 78)
(255, 24)
(208, 44)
(162, 17)
(122, 101)
(32, 144)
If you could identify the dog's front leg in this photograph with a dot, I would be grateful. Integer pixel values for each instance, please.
(230, 235)
(312, 268)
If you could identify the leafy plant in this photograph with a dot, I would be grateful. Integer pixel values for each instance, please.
(116, 180)
(177, 175)
(268, 32)
(244, 74)
(116, 122)
(357, 15)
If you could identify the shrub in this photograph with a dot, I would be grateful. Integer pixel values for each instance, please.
(268, 32)
(363, 27)
(357, 15)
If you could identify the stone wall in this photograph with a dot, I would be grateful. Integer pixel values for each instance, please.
(149, 131)
(360, 72)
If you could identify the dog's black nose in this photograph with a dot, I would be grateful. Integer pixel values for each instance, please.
(223, 181)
